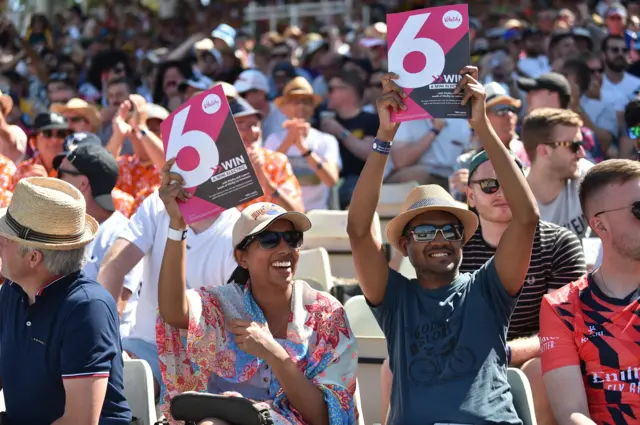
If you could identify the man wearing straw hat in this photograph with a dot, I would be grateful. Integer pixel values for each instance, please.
(445, 331)
(62, 357)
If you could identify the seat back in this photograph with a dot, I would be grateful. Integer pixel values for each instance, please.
(138, 390)
(314, 264)
(358, 404)
(361, 319)
(2, 406)
(522, 396)
(392, 196)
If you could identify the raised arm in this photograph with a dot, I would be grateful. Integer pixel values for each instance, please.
(172, 284)
(368, 255)
(514, 250)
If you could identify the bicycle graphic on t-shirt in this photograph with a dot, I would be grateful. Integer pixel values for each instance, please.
(429, 367)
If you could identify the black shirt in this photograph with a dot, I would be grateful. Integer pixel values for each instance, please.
(362, 125)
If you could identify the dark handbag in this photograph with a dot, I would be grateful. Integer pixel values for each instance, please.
(193, 407)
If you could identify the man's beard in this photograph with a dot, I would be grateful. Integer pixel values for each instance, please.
(616, 66)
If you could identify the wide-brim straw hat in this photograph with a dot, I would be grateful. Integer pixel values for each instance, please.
(80, 107)
(47, 213)
(6, 102)
(427, 198)
(298, 87)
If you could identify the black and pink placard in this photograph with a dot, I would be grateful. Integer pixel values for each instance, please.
(210, 156)
(427, 49)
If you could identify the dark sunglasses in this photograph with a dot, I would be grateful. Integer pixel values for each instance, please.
(488, 186)
(597, 70)
(634, 132)
(428, 232)
(62, 134)
(504, 109)
(617, 50)
(635, 210)
(573, 145)
(270, 240)
(63, 171)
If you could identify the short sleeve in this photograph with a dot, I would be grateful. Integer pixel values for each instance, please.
(557, 343)
(331, 150)
(90, 340)
(489, 282)
(141, 229)
(385, 312)
(568, 264)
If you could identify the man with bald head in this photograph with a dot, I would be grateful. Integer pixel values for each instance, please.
(589, 329)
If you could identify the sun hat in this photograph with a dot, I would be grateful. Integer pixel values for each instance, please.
(251, 79)
(80, 107)
(47, 213)
(298, 87)
(257, 217)
(430, 198)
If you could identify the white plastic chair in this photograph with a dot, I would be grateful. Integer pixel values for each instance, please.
(361, 319)
(329, 230)
(138, 390)
(2, 406)
(522, 396)
(392, 196)
(358, 404)
(314, 264)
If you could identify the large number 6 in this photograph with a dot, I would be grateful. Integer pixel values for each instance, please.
(198, 140)
(405, 43)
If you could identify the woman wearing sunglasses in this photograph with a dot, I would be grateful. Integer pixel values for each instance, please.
(264, 336)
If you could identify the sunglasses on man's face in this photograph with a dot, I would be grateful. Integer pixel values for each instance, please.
(573, 145)
(488, 186)
(270, 240)
(635, 210)
(60, 134)
(428, 232)
(76, 119)
(501, 110)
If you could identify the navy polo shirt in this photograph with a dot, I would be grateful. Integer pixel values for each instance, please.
(70, 332)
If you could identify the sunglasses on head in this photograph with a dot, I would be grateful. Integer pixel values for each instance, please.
(488, 186)
(428, 232)
(635, 210)
(634, 132)
(269, 239)
(62, 134)
(573, 145)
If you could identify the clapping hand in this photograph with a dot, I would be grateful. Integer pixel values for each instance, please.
(391, 99)
(475, 93)
(171, 191)
(119, 123)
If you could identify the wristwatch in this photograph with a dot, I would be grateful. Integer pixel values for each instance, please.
(177, 235)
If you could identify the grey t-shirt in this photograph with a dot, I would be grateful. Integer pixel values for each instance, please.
(447, 350)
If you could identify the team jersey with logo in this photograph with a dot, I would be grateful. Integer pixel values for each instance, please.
(581, 326)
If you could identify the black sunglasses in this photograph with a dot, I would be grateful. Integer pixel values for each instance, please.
(270, 240)
(63, 171)
(573, 145)
(635, 210)
(597, 70)
(488, 186)
(428, 232)
(63, 134)
(504, 109)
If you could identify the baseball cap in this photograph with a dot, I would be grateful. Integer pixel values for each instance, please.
(74, 141)
(496, 94)
(49, 121)
(241, 108)
(251, 79)
(616, 9)
(225, 33)
(155, 111)
(257, 217)
(198, 82)
(551, 81)
(482, 157)
(100, 167)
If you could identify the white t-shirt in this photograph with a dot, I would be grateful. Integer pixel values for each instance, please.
(324, 145)
(107, 234)
(210, 260)
(603, 111)
(565, 209)
(625, 90)
(534, 67)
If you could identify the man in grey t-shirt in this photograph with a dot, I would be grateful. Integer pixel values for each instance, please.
(446, 331)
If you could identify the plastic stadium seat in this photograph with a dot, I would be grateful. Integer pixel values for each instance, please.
(138, 390)
(314, 264)
(522, 396)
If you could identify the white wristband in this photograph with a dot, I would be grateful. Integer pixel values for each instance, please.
(177, 235)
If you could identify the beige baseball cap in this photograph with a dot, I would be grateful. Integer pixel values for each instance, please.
(257, 217)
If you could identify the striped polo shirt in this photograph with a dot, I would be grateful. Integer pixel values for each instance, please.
(556, 260)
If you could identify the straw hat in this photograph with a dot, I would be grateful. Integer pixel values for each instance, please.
(80, 107)
(47, 213)
(430, 198)
(6, 102)
(298, 87)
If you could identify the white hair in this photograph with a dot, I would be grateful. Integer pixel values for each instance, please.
(59, 262)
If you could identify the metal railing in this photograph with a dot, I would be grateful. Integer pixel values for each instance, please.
(293, 12)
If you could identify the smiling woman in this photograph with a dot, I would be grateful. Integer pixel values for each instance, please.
(264, 336)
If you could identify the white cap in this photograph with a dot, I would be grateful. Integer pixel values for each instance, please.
(251, 79)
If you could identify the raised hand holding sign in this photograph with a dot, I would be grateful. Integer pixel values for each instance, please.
(209, 156)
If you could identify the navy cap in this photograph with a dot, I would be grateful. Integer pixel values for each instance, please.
(241, 108)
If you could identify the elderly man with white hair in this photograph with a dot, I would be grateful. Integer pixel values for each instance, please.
(62, 362)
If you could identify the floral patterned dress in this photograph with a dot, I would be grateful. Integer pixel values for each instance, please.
(319, 340)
